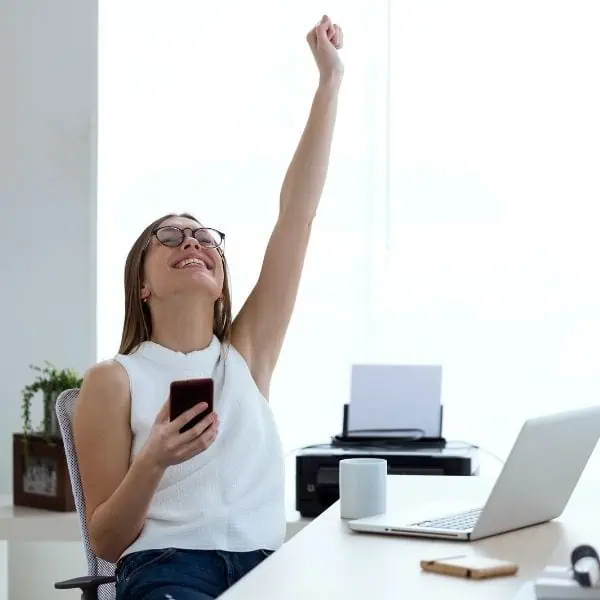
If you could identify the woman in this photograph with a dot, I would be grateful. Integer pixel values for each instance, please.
(185, 515)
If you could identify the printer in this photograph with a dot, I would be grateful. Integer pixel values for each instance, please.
(409, 453)
(388, 398)
(317, 467)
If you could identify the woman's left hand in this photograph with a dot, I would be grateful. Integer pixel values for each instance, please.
(325, 39)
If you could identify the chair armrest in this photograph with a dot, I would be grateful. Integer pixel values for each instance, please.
(88, 585)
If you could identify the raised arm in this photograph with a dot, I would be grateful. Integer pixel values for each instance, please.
(259, 329)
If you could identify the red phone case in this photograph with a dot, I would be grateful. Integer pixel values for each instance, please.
(186, 394)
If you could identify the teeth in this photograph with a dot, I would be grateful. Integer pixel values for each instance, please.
(191, 261)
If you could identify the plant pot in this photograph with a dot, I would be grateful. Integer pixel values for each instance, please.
(41, 474)
(51, 426)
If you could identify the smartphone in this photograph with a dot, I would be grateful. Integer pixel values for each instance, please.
(186, 394)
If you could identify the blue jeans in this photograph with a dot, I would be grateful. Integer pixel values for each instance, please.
(173, 574)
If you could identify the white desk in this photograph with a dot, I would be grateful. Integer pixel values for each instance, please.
(326, 560)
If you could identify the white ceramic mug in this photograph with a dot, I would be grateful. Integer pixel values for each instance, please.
(363, 490)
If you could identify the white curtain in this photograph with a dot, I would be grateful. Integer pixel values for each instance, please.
(488, 261)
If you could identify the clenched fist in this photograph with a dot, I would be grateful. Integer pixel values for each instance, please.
(325, 39)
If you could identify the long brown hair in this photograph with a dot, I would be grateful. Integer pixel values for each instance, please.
(137, 325)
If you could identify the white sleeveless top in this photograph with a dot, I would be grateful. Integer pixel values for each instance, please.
(231, 496)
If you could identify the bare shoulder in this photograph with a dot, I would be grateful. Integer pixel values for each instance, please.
(241, 355)
(104, 399)
(240, 345)
(105, 376)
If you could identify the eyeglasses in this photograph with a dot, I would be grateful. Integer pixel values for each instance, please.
(172, 236)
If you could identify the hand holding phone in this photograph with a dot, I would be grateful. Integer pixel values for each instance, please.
(185, 426)
(188, 393)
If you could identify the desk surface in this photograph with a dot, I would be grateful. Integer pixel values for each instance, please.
(326, 560)
(23, 524)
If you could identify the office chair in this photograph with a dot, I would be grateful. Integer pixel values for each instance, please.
(99, 584)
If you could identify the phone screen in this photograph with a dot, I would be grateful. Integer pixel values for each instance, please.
(186, 394)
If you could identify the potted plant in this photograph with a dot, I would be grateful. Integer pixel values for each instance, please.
(51, 382)
(40, 471)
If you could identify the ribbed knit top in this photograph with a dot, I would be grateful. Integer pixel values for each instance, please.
(231, 496)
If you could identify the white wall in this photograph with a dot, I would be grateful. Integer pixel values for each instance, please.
(47, 196)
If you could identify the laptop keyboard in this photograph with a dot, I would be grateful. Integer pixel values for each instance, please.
(459, 522)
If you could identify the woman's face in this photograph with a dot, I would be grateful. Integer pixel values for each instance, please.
(187, 263)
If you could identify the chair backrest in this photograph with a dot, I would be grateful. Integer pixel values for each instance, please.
(65, 404)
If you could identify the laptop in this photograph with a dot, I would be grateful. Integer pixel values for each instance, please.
(534, 486)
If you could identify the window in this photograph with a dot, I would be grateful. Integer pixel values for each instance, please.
(489, 239)
(200, 109)
(457, 224)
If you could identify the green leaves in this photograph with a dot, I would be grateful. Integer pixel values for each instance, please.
(49, 380)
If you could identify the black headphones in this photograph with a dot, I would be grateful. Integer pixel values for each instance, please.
(586, 566)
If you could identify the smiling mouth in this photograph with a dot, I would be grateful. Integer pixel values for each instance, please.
(191, 263)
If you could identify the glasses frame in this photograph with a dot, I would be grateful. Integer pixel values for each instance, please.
(193, 233)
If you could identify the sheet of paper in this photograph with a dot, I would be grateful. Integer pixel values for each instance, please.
(395, 397)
